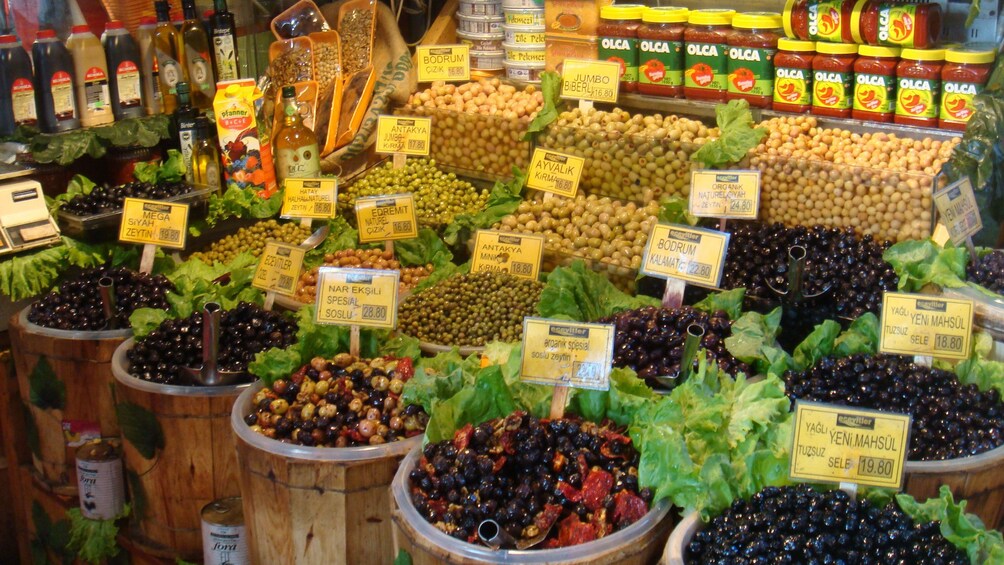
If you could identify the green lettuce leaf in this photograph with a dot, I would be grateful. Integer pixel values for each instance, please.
(94, 540)
(426, 249)
(581, 294)
(861, 337)
(964, 531)
(754, 342)
(489, 398)
(503, 200)
(919, 263)
(731, 301)
(171, 169)
(627, 396)
(816, 345)
(241, 203)
(978, 369)
(737, 136)
(79, 185)
(340, 236)
(550, 87)
(676, 210)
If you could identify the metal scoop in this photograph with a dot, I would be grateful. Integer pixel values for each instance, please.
(694, 335)
(491, 534)
(208, 374)
(796, 278)
(106, 288)
(315, 239)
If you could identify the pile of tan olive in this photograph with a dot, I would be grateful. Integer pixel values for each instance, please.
(306, 287)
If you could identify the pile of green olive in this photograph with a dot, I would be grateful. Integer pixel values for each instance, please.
(252, 239)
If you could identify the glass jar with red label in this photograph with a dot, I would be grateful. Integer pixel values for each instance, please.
(793, 75)
(964, 76)
(660, 51)
(752, 47)
(618, 31)
(706, 62)
(896, 24)
(818, 20)
(918, 87)
(875, 83)
(833, 79)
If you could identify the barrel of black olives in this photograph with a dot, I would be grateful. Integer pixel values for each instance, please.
(979, 479)
(179, 456)
(65, 378)
(315, 504)
(637, 544)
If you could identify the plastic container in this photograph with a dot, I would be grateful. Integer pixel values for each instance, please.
(660, 51)
(91, 77)
(640, 542)
(819, 20)
(150, 73)
(524, 54)
(300, 19)
(793, 75)
(487, 60)
(896, 24)
(284, 487)
(528, 36)
(533, 17)
(875, 83)
(918, 87)
(573, 17)
(707, 60)
(963, 76)
(17, 86)
(54, 77)
(124, 62)
(479, 8)
(479, 24)
(618, 31)
(527, 72)
(481, 41)
(833, 79)
(752, 47)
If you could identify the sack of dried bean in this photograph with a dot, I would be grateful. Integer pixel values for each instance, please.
(396, 78)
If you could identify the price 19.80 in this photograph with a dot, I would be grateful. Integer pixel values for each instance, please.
(875, 467)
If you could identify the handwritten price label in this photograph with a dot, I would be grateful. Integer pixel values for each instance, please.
(569, 354)
(357, 297)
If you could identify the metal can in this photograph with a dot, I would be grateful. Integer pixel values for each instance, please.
(224, 538)
(99, 479)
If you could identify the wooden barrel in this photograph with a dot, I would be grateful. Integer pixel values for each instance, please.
(315, 504)
(179, 456)
(640, 543)
(65, 379)
(978, 479)
(48, 526)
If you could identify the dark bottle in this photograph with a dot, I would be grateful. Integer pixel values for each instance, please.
(54, 78)
(224, 42)
(124, 63)
(17, 87)
(184, 120)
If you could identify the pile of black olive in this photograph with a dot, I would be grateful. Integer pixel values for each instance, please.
(988, 272)
(105, 198)
(650, 340)
(77, 304)
(562, 482)
(797, 524)
(950, 420)
(847, 272)
(245, 331)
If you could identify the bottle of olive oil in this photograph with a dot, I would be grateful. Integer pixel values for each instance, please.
(170, 52)
(184, 121)
(206, 168)
(224, 41)
(295, 144)
(197, 58)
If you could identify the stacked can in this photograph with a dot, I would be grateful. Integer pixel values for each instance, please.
(479, 24)
(523, 32)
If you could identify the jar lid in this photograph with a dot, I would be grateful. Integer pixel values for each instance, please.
(785, 44)
(923, 54)
(114, 24)
(665, 15)
(836, 48)
(5, 39)
(877, 51)
(622, 12)
(147, 21)
(757, 20)
(970, 55)
(716, 17)
(45, 34)
(83, 28)
(786, 18)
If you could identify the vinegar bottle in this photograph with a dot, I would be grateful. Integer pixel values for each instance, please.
(17, 87)
(197, 58)
(184, 121)
(124, 62)
(170, 51)
(57, 109)
(91, 77)
(152, 100)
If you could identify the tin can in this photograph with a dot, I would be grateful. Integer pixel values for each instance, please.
(224, 538)
(99, 479)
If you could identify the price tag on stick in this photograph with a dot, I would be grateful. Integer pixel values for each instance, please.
(918, 324)
(682, 254)
(355, 298)
(153, 224)
(840, 444)
(516, 254)
(733, 195)
(566, 355)
(307, 198)
(403, 136)
(957, 206)
(451, 63)
(386, 218)
(590, 81)
(278, 270)
(554, 172)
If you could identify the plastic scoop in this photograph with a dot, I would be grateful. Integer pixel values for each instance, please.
(209, 374)
(106, 288)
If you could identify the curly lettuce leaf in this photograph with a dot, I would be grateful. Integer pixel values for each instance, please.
(736, 136)
(731, 301)
(242, 203)
(627, 396)
(979, 369)
(550, 87)
(503, 200)
(578, 293)
(919, 263)
(79, 185)
(426, 249)
(489, 398)
(171, 169)
(754, 342)
(340, 236)
(676, 210)
(964, 531)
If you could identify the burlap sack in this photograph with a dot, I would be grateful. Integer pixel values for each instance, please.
(396, 79)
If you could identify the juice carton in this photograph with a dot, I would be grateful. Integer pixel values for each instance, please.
(244, 141)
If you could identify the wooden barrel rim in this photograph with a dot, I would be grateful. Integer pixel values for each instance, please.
(68, 335)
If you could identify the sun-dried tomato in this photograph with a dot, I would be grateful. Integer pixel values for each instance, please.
(628, 508)
(462, 437)
(596, 487)
(573, 531)
(548, 516)
(405, 368)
